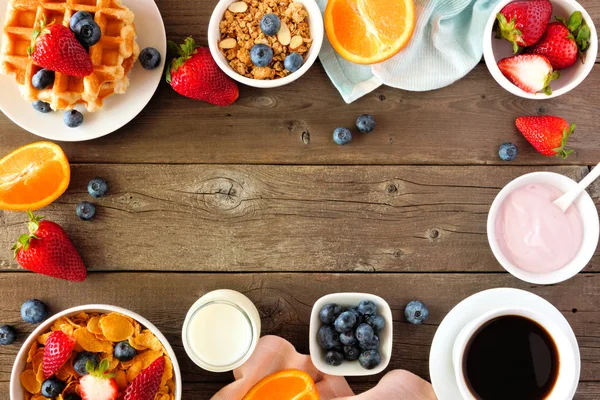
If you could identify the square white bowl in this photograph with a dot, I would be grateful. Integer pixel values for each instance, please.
(317, 32)
(495, 50)
(17, 392)
(351, 368)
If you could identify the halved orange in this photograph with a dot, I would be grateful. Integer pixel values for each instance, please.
(33, 176)
(290, 384)
(369, 31)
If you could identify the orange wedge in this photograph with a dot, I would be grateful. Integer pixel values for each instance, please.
(290, 384)
(369, 31)
(33, 176)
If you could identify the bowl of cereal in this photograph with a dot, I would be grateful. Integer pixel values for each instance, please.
(265, 43)
(122, 341)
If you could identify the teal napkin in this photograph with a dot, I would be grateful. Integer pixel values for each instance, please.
(447, 44)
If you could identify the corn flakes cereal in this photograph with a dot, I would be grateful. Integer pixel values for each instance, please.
(99, 333)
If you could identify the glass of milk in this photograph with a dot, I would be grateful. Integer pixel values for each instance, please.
(221, 330)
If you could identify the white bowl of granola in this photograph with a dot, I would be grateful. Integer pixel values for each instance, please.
(234, 29)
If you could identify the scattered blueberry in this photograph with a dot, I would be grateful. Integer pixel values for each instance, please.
(372, 344)
(34, 311)
(79, 16)
(342, 136)
(367, 307)
(71, 396)
(293, 62)
(329, 313)
(328, 337)
(416, 312)
(365, 123)
(81, 359)
(87, 32)
(359, 316)
(345, 321)
(42, 79)
(41, 106)
(85, 210)
(124, 351)
(52, 387)
(507, 152)
(369, 359)
(97, 187)
(150, 58)
(261, 55)
(364, 333)
(73, 118)
(351, 353)
(270, 24)
(334, 357)
(376, 321)
(348, 338)
(8, 335)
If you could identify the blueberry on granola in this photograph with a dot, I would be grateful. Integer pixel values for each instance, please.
(270, 24)
(293, 62)
(81, 359)
(261, 55)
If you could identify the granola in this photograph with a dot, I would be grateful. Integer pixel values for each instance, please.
(240, 31)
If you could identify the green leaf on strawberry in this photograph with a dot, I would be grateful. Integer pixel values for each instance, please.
(182, 53)
(561, 151)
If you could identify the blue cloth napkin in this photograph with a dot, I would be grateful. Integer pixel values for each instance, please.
(447, 44)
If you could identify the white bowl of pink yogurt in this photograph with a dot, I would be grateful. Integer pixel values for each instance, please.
(532, 238)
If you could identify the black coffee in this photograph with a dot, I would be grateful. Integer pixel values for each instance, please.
(511, 358)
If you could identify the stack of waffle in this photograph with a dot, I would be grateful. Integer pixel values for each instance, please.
(113, 56)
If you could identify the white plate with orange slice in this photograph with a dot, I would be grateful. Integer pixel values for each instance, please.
(118, 109)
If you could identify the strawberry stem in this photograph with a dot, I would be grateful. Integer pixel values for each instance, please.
(24, 240)
(182, 53)
(508, 31)
(561, 151)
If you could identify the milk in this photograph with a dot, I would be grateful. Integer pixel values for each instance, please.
(220, 334)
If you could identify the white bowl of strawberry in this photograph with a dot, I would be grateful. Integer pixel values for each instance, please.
(96, 351)
(540, 49)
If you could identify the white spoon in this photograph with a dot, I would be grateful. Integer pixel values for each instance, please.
(565, 201)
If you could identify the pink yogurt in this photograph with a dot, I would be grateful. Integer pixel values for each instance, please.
(534, 234)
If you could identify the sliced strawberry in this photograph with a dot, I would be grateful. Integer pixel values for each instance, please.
(523, 22)
(98, 384)
(531, 72)
(56, 352)
(548, 134)
(146, 384)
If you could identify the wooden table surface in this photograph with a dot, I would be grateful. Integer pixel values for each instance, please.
(256, 197)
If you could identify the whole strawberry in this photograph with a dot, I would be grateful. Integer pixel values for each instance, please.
(146, 384)
(98, 384)
(524, 22)
(55, 47)
(547, 134)
(196, 75)
(564, 42)
(57, 351)
(48, 250)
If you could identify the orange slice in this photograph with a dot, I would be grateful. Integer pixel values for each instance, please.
(369, 31)
(33, 176)
(290, 384)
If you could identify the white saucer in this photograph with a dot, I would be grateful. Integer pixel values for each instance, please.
(441, 370)
(118, 109)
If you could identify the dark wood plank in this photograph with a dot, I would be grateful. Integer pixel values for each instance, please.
(461, 124)
(285, 301)
(282, 218)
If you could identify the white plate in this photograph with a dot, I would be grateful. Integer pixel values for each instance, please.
(441, 370)
(118, 109)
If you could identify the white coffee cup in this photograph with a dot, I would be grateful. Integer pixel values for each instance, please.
(568, 369)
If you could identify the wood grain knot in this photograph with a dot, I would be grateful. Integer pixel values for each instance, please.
(381, 97)
(305, 137)
(265, 102)
(221, 193)
(434, 233)
(391, 188)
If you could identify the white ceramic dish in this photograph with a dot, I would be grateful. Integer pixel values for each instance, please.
(231, 298)
(315, 21)
(441, 369)
(589, 216)
(118, 110)
(351, 368)
(16, 390)
(496, 49)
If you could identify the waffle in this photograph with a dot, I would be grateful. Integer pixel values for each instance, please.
(113, 56)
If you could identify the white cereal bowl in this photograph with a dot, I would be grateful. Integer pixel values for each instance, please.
(351, 368)
(589, 217)
(16, 390)
(315, 21)
(496, 49)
